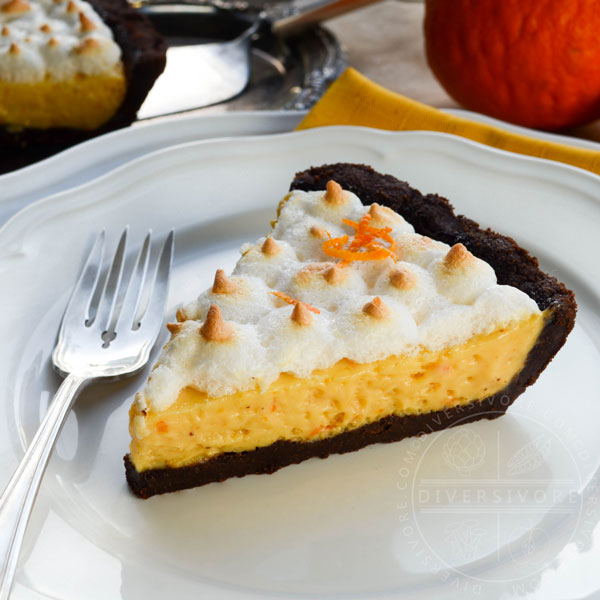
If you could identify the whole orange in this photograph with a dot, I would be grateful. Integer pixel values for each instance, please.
(531, 62)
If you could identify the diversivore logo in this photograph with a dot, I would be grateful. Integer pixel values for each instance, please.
(480, 497)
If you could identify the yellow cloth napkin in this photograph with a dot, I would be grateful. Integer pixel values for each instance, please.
(355, 100)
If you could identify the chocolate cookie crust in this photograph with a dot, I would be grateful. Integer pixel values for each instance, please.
(432, 216)
(143, 53)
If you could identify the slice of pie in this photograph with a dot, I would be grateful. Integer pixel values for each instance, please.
(368, 314)
(70, 69)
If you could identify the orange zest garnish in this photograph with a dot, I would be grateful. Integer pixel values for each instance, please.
(293, 301)
(368, 243)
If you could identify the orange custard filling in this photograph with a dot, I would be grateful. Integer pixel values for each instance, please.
(330, 401)
(84, 102)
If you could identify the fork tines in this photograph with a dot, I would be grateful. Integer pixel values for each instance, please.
(112, 299)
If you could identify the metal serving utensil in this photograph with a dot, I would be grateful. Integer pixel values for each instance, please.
(108, 329)
(218, 70)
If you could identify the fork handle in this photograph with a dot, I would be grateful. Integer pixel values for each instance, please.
(17, 500)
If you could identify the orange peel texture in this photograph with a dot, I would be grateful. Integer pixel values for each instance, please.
(368, 243)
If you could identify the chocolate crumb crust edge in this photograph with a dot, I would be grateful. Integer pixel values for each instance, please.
(433, 216)
(143, 53)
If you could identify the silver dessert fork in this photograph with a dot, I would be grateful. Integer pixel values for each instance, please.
(107, 332)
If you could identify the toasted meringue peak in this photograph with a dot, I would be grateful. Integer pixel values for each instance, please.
(46, 28)
(27, 40)
(72, 7)
(222, 284)
(180, 315)
(335, 275)
(53, 42)
(301, 315)
(174, 328)
(270, 247)
(14, 49)
(305, 275)
(5, 30)
(86, 23)
(334, 193)
(87, 46)
(458, 256)
(403, 279)
(376, 309)
(420, 241)
(16, 7)
(383, 214)
(215, 329)
(318, 232)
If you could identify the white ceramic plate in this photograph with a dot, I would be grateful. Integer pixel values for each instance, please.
(506, 507)
(100, 155)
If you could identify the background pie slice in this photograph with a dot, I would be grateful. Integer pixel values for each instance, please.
(70, 70)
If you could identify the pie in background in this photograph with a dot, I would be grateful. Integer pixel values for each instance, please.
(71, 69)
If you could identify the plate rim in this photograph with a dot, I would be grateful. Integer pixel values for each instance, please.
(26, 185)
(97, 150)
(552, 167)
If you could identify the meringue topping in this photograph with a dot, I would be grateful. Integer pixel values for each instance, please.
(432, 297)
(460, 276)
(88, 46)
(376, 309)
(305, 275)
(335, 275)
(458, 256)
(301, 315)
(222, 284)
(15, 7)
(270, 247)
(383, 215)
(214, 328)
(70, 52)
(86, 23)
(318, 232)
(334, 193)
(174, 328)
(403, 279)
